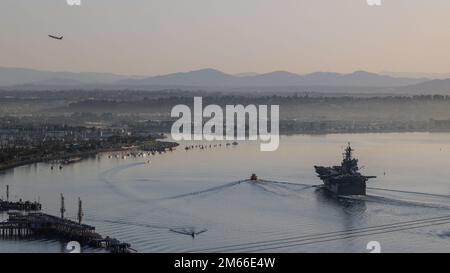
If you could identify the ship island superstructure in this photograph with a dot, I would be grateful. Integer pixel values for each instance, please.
(344, 179)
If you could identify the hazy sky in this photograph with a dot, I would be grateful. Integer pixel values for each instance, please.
(161, 36)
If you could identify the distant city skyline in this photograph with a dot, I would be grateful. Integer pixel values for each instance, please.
(154, 37)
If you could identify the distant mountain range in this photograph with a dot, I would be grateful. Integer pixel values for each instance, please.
(428, 87)
(212, 77)
(20, 78)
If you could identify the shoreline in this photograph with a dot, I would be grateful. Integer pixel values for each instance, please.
(157, 145)
(5, 167)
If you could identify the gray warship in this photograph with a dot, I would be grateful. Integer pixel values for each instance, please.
(344, 179)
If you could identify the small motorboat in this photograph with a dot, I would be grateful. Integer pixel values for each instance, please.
(253, 177)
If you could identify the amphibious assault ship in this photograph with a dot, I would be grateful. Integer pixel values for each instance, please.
(344, 179)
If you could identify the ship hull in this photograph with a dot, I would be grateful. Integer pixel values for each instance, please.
(344, 179)
(346, 186)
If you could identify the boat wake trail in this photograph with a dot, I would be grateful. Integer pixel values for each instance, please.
(295, 189)
(286, 183)
(397, 202)
(264, 184)
(127, 223)
(287, 242)
(284, 189)
(191, 231)
(206, 191)
(106, 177)
(411, 192)
(184, 230)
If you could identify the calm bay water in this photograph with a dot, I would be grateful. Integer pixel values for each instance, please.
(156, 206)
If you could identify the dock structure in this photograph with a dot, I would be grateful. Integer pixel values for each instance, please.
(20, 205)
(42, 224)
(80, 211)
(63, 208)
(25, 223)
(6, 205)
(38, 224)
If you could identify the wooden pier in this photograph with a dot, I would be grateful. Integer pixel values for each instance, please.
(24, 223)
(42, 225)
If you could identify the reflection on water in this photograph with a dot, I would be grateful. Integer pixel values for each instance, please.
(200, 199)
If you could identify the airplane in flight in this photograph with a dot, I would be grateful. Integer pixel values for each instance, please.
(55, 37)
